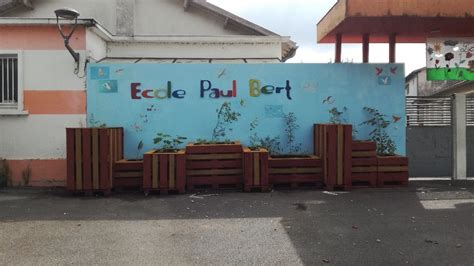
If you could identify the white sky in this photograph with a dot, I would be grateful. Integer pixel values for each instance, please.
(298, 19)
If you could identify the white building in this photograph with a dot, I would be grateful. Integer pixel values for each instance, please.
(43, 90)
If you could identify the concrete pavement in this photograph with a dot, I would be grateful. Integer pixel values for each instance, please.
(428, 223)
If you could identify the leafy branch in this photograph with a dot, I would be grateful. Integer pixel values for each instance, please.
(168, 142)
(225, 118)
(385, 144)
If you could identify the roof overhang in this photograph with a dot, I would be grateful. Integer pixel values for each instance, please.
(288, 46)
(9, 5)
(413, 21)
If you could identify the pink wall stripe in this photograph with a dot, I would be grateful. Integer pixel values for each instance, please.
(39, 38)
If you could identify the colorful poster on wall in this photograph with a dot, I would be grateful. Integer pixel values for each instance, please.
(243, 102)
(450, 58)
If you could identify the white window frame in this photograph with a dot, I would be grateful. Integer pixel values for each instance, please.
(19, 109)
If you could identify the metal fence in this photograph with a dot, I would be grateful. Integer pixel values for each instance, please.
(8, 81)
(470, 110)
(429, 111)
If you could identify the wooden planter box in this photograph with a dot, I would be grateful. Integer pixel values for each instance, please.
(333, 144)
(164, 172)
(364, 164)
(296, 171)
(128, 174)
(90, 156)
(392, 171)
(214, 166)
(256, 170)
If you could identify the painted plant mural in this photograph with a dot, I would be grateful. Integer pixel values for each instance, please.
(450, 59)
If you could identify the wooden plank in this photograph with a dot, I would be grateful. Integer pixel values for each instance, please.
(395, 176)
(364, 176)
(364, 146)
(347, 156)
(86, 158)
(214, 172)
(366, 161)
(128, 183)
(219, 180)
(294, 170)
(155, 165)
(340, 155)
(120, 143)
(256, 168)
(284, 179)
(324, 154)
(128, 174)
(164, 169)
(264, 169)
(364, 154)
(95, 159)
(316, 140)
(112, 154)
(147, 171)
(393, 168)
(124, 165)
(70, 155)
(172, 172)
(237, 163)
(213, 148)
(181, 172)
(294, 162)
(104, 158)
(331, 149)
(366, 169)
(392, 160)
(215, 156)
(248, 169)
(78, 157)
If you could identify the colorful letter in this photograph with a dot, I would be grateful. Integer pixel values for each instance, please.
(268, 89)
(288, 89)
(203, 89)
(254, 87)
(135, 91)
(179, 94)
(215, 94)
(146, 94)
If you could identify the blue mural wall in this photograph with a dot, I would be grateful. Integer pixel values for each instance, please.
(182, 99)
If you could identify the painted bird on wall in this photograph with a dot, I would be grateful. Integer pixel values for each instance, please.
(378, 71)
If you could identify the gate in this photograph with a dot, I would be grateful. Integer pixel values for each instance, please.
(430, 136)
(470, 135)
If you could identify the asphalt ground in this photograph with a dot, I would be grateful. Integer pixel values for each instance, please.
(428, 223)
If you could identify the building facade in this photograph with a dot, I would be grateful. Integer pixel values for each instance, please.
(43, 90)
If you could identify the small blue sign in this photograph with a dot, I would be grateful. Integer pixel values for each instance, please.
(100, 73)
(108, 86)
(274, 111)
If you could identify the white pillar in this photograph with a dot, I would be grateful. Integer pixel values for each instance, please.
(459, 136)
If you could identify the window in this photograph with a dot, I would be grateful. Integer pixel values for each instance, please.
(11, 92)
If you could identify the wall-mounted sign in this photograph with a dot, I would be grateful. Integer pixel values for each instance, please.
(450, 58)
(186, 99)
